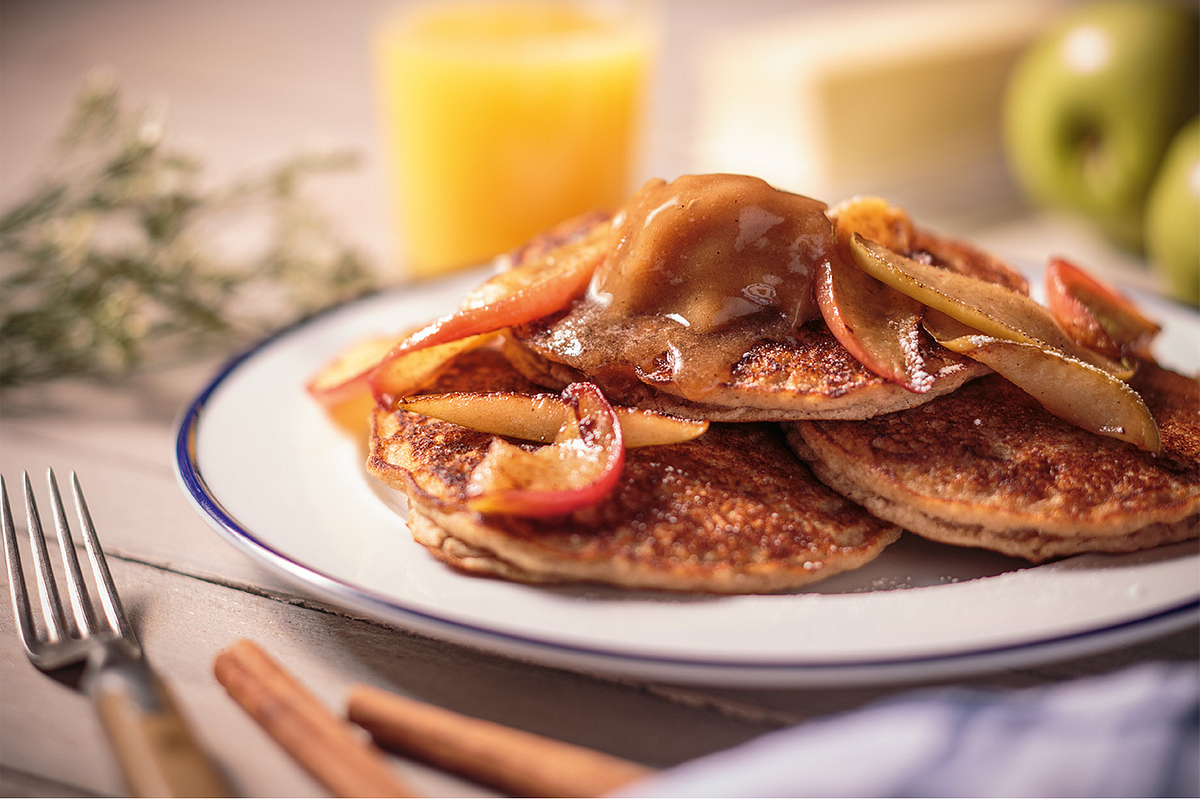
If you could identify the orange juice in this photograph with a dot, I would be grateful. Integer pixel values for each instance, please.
(504, 119)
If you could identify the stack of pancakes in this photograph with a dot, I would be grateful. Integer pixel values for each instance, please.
(812, 464)
(731, 511)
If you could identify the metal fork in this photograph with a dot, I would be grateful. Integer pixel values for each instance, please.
(158, 755)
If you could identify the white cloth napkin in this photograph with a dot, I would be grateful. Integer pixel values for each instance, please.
(1134, 733)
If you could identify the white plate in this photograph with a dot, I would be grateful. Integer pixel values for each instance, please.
(260, 462)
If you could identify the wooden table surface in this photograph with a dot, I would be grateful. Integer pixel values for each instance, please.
(282, 75)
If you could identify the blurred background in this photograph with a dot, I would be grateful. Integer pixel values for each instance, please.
(900, 98)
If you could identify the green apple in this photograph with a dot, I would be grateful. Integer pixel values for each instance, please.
(1173, 216)
(1091, 107)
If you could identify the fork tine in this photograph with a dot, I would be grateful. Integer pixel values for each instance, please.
(76, 588)
(109, 599)
(22, 609)
(52, 610)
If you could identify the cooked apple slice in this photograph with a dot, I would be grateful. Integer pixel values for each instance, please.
(540, 417)
(1071, 389)
(391, 367)
(539, 256)
(1095, 314)
(348, 376)
(342, 387)
(532, 417)
(345, 377)
(987, 307)
(579, 469)
(397, 376)
(878, 325)
(522, 294)
(642, 428)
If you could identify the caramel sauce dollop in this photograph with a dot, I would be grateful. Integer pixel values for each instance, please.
(706, 249)
(701, 269)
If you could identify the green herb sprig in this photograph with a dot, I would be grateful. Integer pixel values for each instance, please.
(121, 255)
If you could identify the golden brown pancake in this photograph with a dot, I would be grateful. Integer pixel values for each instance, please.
(731, 512)
(987, 466)
(807, 374)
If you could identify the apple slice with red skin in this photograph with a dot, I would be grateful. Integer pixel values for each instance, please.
(349, 375)
(540, 417)
(987, 307)
(344, 378)
(878, 325)
(1095, 314)
(523, 294)
(1071, 389)
(579, 469)
(401, 375)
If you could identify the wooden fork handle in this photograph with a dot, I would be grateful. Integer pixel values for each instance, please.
(157, 752)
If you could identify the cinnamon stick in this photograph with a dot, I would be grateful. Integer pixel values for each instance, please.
(517, 762)
(328, 748)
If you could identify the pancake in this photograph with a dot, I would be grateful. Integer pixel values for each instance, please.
(730, 512)
(808, 376)
(988, 467)
(799, 373)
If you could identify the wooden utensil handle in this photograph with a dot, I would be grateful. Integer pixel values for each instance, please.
(518, 762)
(157, 752)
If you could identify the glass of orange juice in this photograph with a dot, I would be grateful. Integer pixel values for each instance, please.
(503, 118)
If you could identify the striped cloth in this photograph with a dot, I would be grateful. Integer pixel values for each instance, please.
(1134, 733)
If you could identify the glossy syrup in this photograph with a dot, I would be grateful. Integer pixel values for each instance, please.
(702, 269)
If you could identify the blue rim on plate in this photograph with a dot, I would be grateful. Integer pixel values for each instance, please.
(552, 652)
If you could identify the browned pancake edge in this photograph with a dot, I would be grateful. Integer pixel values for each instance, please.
(731, 512)
(811, 377)
(988, 467)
